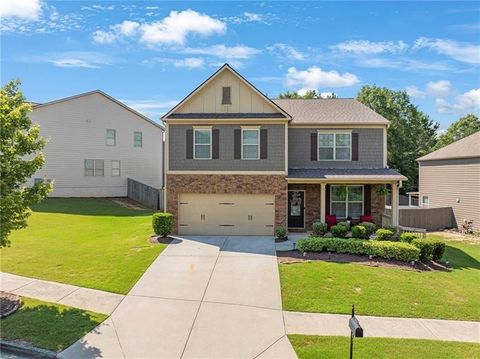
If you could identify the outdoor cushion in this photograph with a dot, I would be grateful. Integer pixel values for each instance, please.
(366, 218)
(331, 220)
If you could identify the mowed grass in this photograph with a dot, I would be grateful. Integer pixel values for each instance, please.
(333, 287)
(93, 243)
(308, 347)
(48, 325)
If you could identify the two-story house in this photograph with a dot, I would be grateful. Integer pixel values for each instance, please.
(94, 143)
(239, 163)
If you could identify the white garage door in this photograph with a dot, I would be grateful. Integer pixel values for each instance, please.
(226, 214)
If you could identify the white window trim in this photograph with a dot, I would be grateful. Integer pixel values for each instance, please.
(114, 137)
(134, 139)
(119, 168)
(256, 128)
(346, 199)
(334, 133)
(94, 167)
(202, 144)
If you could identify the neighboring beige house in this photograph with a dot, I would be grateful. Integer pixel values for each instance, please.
(94, 143)
(239, 163)
(450, 177)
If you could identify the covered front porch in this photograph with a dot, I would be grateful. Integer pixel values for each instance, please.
(313, 194)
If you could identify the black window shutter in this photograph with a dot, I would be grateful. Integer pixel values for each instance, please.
(216, 144)
(237, 144)
(313, 146)
(263, 144)
(354, 146)
(367, 199)
(327, 200)
(190, 143)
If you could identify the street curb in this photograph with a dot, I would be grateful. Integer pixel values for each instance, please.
(26, 350)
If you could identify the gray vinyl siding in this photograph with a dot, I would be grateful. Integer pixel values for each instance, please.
(370, 149)
(453, 183)
(275, 160)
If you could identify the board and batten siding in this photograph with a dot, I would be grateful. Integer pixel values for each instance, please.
(275, 160)
(76, 130)
(243, 98)
(452, 183)
(370, 149)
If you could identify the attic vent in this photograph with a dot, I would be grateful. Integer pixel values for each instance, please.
(226, 96)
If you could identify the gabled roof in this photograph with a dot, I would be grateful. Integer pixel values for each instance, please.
(344, 111)
(105, 95)
(214, 75)
(467, 147)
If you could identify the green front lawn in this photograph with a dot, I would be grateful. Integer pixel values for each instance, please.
(330, 287)
(338, 347)
(48, 325)
(93, 243)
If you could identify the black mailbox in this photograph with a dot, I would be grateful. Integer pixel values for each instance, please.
(355, 327)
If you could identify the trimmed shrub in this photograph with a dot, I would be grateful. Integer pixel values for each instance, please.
(426, 248)
(339, 230)
(389, 227)
(384, 234)
(359, 232)
(319, 228)
(162, 223)
(393, 250)
(344, 223)
(438, 249)
(407, 237)
(371, 227)
(387, 250)
(281, 232)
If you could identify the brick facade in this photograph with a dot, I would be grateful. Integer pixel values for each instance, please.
(235, 184)
(312, 202)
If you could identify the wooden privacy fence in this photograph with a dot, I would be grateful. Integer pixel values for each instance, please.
(150, 197)
(431, 219)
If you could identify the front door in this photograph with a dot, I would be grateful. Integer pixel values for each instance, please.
(296, 209)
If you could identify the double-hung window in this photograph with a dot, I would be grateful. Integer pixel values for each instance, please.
(115, 168)
(250, 143)
(334, 146)
(346, 201)
(425, 201)
(93, 167)
(202, 143)
(137, 139)
(111, 137)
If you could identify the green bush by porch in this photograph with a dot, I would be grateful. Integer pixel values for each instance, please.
(330, 287)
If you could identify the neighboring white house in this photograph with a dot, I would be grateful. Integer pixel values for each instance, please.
(94, 143)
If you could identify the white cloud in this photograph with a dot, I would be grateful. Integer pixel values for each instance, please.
(190, 62)
(118, 31)
(21, 9)
(440, 88)
(151, 108)
(175, 28)
(365, 47)
(247, 17)
(238, 52)
(104, 37)
(73, 59)
(284, 50)
(314, 77)
(414, 91)
(404, 64)
(460, 51)
(466, 102)
(253, 17)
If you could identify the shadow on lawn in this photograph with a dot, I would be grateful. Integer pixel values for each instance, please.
(459, 259)
(88, 207)
(50, 327)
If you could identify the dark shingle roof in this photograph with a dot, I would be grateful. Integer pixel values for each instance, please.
(330, 112)
(465, 148)
(337, 173)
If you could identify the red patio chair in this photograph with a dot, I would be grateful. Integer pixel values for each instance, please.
(366, 218)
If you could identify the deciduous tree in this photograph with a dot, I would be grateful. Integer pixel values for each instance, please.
(461, 128)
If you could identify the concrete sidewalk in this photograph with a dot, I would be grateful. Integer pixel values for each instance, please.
(203, 297)
(386, 327)
(84, 298)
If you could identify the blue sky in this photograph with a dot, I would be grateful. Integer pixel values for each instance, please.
(151, 54)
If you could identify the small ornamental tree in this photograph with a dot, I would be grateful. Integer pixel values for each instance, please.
(20, 158)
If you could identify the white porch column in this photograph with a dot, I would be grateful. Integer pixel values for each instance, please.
(395, 204)
(322, 201)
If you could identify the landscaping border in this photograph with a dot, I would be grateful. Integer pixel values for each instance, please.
(26, 350)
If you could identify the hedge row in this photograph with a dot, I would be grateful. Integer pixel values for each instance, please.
(382, 249)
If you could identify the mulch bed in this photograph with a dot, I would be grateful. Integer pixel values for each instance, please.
(290, 257)
(158, 239)
(9, 303)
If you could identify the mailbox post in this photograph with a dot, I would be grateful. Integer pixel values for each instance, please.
(356, 329)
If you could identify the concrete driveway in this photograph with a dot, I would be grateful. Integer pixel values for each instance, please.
(203, 297)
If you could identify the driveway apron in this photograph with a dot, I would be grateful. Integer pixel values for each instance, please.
(203, 297)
